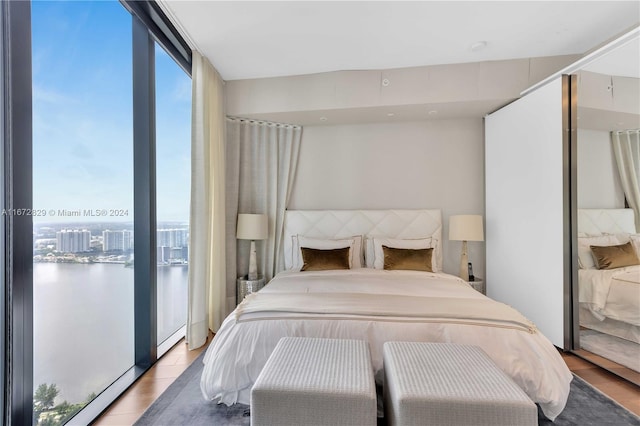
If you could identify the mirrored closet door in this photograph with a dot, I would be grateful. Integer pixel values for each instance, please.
(608, 203)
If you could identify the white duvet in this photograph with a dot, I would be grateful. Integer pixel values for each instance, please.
(244, 342)
(611, 293)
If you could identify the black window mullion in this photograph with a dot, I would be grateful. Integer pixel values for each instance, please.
(162, 29)
(144, 216)
(18, 248)
(3, 287)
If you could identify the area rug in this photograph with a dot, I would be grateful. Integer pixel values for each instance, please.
(182, 404)
(619, 350)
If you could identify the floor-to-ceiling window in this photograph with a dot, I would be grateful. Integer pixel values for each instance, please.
(83, 273)
(173, 180)
(88, 157)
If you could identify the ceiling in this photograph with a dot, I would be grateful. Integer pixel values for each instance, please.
(245, 39)
(623, 61)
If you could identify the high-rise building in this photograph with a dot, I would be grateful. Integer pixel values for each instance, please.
(164, 254)
(73, 240)
(172, 245)
(172, 238)
(117, 240)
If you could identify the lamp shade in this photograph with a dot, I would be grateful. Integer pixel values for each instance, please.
(466, 228)
(252, 227)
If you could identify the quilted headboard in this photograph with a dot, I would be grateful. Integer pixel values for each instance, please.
(606, 221)
(347, 223)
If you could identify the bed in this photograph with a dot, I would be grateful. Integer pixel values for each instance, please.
(609, 298)
(377, 305)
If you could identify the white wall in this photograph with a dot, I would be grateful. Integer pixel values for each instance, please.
(598, 179)
(429, 164)
(524, 208)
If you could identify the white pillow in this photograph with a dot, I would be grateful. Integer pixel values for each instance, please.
(369, 253)
(354, 243)
(378, 253)
(634, 238)
(585, 257)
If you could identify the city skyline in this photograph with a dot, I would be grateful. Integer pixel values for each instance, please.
(60, 243)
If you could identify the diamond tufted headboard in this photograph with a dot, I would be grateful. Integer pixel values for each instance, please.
(408, 224)
(606, 221)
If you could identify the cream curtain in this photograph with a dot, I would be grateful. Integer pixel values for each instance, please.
(262, 160)
(207, 305)
(626, 147)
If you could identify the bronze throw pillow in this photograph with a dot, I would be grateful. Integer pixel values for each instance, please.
(323, 260)
(611, 257)
(407, 259)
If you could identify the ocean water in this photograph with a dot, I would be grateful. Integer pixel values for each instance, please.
(83, 323)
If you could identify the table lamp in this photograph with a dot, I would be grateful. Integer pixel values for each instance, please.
(465, 228)
(252, 227)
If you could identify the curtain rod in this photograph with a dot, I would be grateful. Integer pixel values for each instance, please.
(626, 131)
(268, 123)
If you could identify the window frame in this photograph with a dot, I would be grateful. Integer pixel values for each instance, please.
(162, 30)
(144, 195)
(3, 288)
(16, 297)
(17, 194)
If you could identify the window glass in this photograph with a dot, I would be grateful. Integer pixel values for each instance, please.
(173, 180)
(83, 197)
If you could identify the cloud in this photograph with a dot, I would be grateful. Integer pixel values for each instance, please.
(81, 151)
(51, 96)
(182, 90)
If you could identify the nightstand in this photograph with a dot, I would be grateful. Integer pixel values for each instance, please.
(478, 285)
(246, 286)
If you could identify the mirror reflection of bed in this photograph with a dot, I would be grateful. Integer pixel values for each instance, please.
(609, 298)
(608, 135)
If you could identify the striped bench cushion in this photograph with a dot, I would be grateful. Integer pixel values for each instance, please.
(309, 381)
(450, 384)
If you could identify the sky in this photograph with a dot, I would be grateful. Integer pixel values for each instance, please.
(82, 115)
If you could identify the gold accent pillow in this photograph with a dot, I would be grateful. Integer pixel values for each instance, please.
(611, 257)
(407, 259)
(323, 260)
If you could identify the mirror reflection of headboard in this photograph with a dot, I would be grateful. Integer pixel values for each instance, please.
(606, 221)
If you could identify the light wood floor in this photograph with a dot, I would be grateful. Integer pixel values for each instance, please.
(126, 410)
(623, 392)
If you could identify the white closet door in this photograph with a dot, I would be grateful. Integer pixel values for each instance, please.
(524, 208)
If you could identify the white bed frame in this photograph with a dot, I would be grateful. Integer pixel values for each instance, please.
(333, 224)
(606, 221)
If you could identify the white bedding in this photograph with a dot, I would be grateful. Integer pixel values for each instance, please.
(611, 293)
(241, 348)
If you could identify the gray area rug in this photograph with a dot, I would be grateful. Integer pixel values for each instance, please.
(624, 352)
(182, 404)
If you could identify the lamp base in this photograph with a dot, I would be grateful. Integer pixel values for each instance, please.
(464, 263)
(253, 264)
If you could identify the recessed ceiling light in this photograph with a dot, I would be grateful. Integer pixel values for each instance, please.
(323, 118)
(477, 46)
(390, 114)
(433, 112)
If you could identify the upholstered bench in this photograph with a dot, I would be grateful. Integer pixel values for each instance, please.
(449, 384)
(308, 381)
